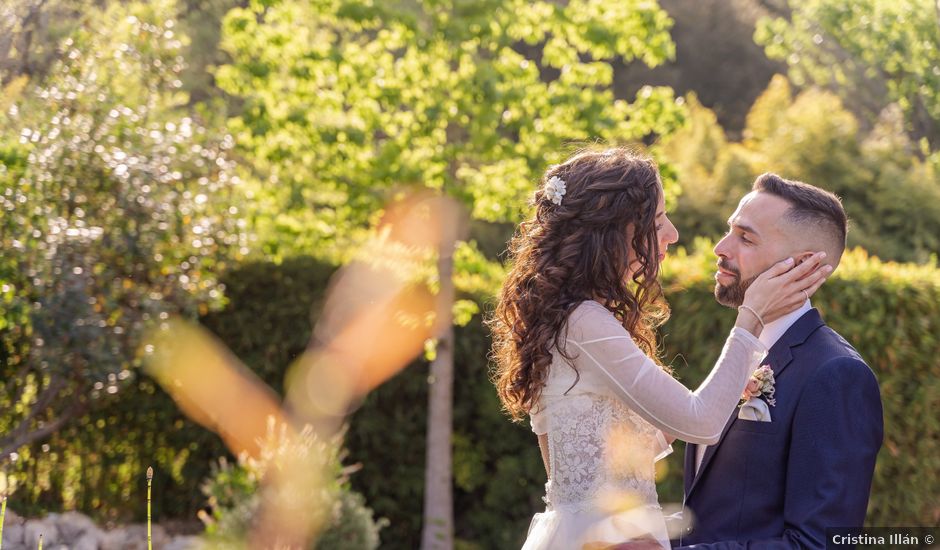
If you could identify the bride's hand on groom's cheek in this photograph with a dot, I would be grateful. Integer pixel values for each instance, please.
(785, 287)
(812, 273)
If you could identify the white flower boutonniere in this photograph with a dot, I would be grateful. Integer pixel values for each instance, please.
(761, 384)
(555, 189)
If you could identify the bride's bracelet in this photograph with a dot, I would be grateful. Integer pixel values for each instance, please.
(754, 313)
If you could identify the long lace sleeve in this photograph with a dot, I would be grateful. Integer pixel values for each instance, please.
(607, 355)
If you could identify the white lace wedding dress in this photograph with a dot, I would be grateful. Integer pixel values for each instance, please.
(605, 431)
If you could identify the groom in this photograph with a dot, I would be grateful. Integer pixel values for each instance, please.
(779, 483)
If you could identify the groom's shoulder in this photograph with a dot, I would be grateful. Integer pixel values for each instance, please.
(836, 357)
(830, 365)
(829, 345)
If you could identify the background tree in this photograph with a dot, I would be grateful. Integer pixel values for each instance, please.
(891, 196)
(30, 31)
(864, 124)
(870, 52)
(709, 34)
(345, 102)
(118, 211)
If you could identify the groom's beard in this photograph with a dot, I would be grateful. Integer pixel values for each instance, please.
(732, 295)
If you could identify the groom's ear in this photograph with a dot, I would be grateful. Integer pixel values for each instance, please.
(801, 257)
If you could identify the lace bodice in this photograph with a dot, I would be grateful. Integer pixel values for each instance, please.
(600, 449)
(605, 422)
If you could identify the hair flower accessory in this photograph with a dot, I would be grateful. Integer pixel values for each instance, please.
(555, 189)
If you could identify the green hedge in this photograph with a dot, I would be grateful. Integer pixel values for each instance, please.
(890, 312)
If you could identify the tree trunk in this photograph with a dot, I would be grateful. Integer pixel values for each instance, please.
(28, 430)
(438, 532)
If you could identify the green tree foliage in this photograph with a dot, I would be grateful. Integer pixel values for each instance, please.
(891, 196)
(31, 31)
(119, 209)
(870, 52)
(346, 102)
(201, 20)
(702, 158)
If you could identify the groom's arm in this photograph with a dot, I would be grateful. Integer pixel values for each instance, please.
(837, 431)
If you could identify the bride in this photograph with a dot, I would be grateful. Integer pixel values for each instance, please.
(575, 349)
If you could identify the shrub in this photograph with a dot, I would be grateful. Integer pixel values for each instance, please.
(235, 495)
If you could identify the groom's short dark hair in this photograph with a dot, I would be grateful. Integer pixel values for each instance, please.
(810, 206)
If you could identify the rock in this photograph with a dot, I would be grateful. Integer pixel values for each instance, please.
(35, 527)
(112, 540)
(72, 526)
(134, 537)
(75, 531)
(12, 519)
(184, 543)
(90, 540)
(12, 534)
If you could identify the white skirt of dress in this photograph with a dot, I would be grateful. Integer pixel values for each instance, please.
(577, 530)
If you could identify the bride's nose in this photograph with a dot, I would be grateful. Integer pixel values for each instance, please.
(671, 235)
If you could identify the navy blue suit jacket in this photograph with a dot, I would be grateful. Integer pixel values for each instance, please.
(780, 484)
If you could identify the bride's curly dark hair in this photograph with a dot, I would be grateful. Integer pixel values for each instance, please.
(578, 250)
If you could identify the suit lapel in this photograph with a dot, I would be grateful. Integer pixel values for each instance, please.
(710, 452)
(780, 355)
(779, 358)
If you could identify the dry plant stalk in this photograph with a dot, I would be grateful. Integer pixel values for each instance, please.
(3, 515)
(149, 482)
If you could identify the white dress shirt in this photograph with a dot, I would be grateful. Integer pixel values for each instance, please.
(769, 335)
